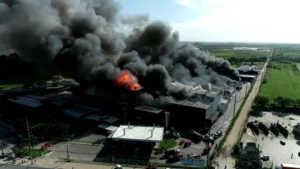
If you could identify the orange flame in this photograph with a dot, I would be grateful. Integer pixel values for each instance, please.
(128, 80)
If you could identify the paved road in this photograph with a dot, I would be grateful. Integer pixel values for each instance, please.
(76, 151)
(8, 166)
(225, 158)
(226, 118)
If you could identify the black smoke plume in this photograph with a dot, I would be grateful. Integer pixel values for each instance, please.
(84, 39)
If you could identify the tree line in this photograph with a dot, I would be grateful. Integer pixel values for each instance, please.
(264, 102)
(12, 67)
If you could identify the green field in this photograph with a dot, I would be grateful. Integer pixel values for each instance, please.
(298, 66)
(7, 84)
(230, 53)
(281, 82)
(13, 83)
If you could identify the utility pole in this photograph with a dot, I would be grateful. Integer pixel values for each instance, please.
(68, 156)
(125, 114)
(234, 104)
(28, 133)
(68, 139)
(246, 90)
(207, 160)
(2, 147)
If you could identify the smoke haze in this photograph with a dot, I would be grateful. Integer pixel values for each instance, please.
(82, 38)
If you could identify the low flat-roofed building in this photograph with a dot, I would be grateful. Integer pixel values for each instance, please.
(102, 118)
(95, 117)
(147, 115)
(247, 78)
(139, 133)
(222, 107)
(58, 102)
(107, 127)
(110, 119)
(79, 111)
(182, 112)
(27, 101)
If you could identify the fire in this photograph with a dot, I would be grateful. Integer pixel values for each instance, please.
(128, 80)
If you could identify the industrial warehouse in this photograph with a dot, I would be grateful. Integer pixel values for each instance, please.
(132, 125)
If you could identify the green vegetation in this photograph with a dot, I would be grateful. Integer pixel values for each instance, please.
(22, 152)
(238, 57)
(230, 53)
(281, 88)
(13, 83)
(7, 84)
(168, 143)
(281, 82)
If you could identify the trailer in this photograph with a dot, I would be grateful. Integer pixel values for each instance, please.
(288, 166)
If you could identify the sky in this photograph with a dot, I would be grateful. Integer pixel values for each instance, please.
(224, 20)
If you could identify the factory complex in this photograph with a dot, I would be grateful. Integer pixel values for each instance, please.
(125, 116)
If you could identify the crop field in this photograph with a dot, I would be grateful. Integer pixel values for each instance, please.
(230, 53)
(281, 82)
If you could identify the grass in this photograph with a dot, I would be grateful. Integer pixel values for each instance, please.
(281, 82)
(14, 83)
(23, 152)
(167, 143)
(230, 53)
(7, 84)
(298, 66)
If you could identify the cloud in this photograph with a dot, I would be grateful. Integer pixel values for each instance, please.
(187, 3)
(236, 20)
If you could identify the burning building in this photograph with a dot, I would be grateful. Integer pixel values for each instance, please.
(83, 42)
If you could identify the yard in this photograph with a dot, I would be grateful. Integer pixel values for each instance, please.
(281, 82)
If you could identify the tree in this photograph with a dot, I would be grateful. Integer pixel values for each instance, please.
(262, 101)
(282, 101)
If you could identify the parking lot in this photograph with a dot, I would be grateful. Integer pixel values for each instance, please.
(270, 145)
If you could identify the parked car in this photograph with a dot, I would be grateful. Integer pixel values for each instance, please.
(151, 166)
(171, 152)
(187, 143)
(118, 166)
(181, 142)
(174, 158)
(265, 157)
(282, 142)
(220, 133)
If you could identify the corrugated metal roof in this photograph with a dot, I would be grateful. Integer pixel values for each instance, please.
(27, 101)
(108, 127)
(58, 102)
(110, 119)
(248, 76)
(149, 109)
(95, 117)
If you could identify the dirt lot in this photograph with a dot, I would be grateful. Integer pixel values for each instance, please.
(270, 145)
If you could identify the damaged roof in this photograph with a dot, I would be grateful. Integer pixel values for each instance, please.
(149, 109)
